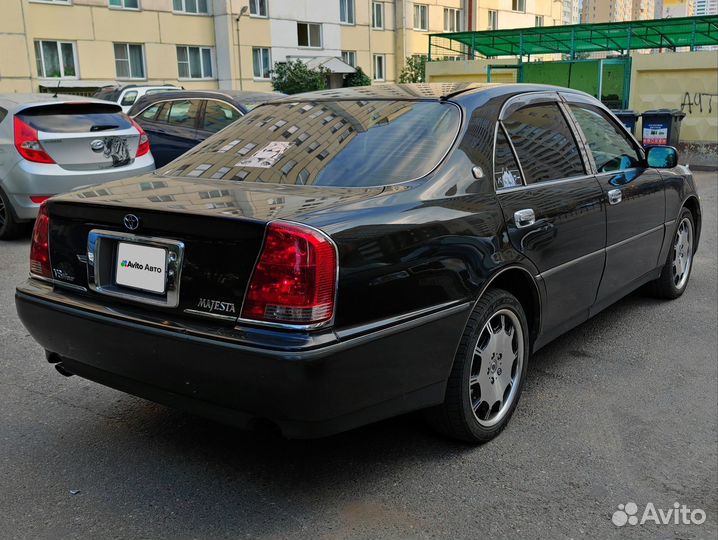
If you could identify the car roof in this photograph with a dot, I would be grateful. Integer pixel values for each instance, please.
(23, 101)
(423, 91)
(233, 96)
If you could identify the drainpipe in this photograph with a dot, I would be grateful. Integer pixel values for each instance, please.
(239, 45)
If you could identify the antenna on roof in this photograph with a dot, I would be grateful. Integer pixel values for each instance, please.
(57, 88)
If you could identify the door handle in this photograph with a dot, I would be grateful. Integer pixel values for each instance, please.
(615, 196)
(524, 218)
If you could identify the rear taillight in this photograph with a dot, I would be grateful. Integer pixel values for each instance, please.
(28, 144)
(144, 145)
(39, 199)
(295, 279)
(40, 247)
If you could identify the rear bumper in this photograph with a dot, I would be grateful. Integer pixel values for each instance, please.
(316, 388)
(26, 179)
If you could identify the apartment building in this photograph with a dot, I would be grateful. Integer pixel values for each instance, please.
(76, 44)
(598, 11)
(571, 12)
(706, 7)
(677, 8)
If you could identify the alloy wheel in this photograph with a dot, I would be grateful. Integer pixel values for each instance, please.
(496, 367)
(682, 253)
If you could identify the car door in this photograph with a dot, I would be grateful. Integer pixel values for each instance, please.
(216, 115)
(552, 206)
(172, 127)
(634, 195)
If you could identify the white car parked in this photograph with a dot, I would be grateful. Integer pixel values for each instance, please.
(127, 95)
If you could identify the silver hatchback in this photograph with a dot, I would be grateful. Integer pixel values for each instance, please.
(51, 145)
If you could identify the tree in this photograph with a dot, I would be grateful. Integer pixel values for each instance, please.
(294, 77)
(358, 78)
(414, 71)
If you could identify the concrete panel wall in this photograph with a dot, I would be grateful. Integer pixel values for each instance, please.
(686, 81)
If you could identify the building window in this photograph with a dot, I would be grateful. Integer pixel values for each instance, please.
(55, 59)
(377, 15)
(421, 17)
(191, 6)
(346, 11)
(261, 62)
(258, 8)
(452, 20)
(350, 57)
(125, 4)
(309, 35)
(539, 20)
(129, 61)
(518, 5)
(379, 61)
(194, 62)
(493, 19)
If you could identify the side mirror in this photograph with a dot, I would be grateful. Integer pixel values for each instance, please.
(662, 157)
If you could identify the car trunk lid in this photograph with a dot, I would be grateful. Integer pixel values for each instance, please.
(84, 136)
(220, 226)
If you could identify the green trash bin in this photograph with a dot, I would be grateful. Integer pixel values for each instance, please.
(662, 127)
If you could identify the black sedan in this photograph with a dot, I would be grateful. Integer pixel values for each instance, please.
(340, 257)
(178, 121)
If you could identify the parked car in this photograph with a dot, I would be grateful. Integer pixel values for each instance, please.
(336, 258)
(178, 122)
(127, 95)
(53, 144)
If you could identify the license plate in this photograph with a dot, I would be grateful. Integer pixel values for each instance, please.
(141, 267)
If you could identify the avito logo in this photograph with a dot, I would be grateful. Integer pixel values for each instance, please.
(139, 266)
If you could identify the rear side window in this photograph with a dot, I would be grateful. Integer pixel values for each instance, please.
(3, 114)
(129, 98)
(108, 94)
(151, 112)
(340, 143)
(75, 117)
(218, 115)
(506, 171)
(184, 113)
(611, 148)
(544, 143)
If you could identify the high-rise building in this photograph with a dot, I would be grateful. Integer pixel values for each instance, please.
(677, 8)
(598, 11)
(706, 7)
(571, 12)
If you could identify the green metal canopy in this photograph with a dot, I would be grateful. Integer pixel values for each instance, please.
(571, 40)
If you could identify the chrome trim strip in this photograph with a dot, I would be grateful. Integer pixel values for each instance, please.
(546, 183)
(635, 237)
(358, 334)
(228, 318)
(570, 263)
(70, 286)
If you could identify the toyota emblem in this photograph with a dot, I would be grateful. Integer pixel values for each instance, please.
(132, 222)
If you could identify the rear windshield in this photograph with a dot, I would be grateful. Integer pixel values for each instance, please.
(75, 118)
(342, 143)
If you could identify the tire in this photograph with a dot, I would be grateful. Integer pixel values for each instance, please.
(483, 390)
(676, 271)
(9, 227)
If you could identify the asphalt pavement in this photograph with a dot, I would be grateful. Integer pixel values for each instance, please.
(622, 409)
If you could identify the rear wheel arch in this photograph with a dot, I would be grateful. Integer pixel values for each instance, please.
(692, 204)
(518, 281)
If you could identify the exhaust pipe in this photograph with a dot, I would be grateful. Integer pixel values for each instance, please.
(62, 371)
